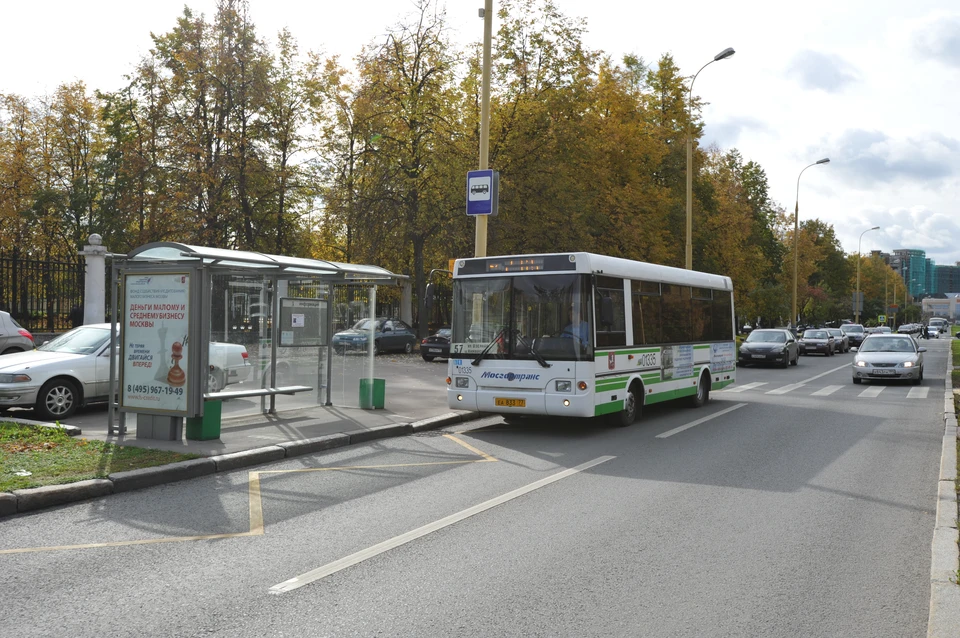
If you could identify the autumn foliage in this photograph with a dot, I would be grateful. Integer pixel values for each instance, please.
(223, 138)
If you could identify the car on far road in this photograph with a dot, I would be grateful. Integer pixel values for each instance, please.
(13, 337)
(817, 340)
(436, 345)
(885, 330)
(855, 333)
(892, 356)
(840, 341)
(769, 345)
(933, 332)
(389, 335)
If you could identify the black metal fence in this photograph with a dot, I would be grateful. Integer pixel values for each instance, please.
(41, 294)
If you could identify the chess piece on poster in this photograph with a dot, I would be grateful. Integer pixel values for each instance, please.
(176, 376)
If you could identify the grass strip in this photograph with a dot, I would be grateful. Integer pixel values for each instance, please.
(32, 456)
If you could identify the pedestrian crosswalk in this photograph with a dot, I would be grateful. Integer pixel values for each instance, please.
(865, 391)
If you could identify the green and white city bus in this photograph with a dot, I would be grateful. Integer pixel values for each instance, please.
(579, 334)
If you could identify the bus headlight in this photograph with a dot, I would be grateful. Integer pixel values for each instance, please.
(463, 382)
(564, 386)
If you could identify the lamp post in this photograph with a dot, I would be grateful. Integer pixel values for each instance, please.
(796, 233)
(857, 300)
(688, 260)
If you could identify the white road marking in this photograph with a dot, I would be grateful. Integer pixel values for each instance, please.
(397, 541)
(699, 421)
(823, 374)
(872, 391)
(827, 391)
(918, 393)
(787, 388)
(745, 387)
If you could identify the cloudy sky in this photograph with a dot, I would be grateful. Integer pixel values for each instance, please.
(873, 85)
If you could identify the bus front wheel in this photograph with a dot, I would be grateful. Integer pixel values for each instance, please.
(631, 408)
(703, 391)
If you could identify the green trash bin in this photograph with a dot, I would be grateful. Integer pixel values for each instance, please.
(372, 400)
(206, 427)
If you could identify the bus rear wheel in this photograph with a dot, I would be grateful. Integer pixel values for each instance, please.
(630, 411)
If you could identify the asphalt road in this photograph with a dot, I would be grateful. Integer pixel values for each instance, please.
(794, 504)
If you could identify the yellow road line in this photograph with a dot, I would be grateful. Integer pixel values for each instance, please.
(485, 456)
(255, 503)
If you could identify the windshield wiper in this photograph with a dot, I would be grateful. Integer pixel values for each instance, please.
(543, 363)
(483, 352)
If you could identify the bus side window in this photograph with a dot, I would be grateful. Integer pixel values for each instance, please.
(646, 312)
(610, 313)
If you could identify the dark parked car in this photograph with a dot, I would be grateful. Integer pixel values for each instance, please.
(855, 333)
(436, 345)
(817, 340)
(769, 345)
(840, 340)
(390, 335)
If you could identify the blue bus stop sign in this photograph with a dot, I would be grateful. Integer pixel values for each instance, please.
(483, 190)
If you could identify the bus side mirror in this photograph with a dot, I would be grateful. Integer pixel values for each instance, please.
(428, 297)
(606, 311)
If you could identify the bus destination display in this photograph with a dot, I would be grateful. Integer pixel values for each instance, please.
(517, 264)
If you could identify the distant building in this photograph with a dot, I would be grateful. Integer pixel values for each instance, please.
(947, 279)
(947, 306)
(913, 270)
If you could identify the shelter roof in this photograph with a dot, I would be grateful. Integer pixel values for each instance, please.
(260, 263)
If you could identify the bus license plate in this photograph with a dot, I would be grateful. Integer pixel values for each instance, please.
(510, 403)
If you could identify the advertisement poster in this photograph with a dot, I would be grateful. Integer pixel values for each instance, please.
(682, 362)
(723, 357)
(155, 349)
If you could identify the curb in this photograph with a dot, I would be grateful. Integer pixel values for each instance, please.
(944, 616)
(34, 498)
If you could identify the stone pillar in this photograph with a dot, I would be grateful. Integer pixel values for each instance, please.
(95, 283)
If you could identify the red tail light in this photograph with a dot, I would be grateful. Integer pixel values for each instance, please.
(25, 333)
(423, 343)
(244, 354)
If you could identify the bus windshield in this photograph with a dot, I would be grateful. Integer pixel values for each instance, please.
(523, 317)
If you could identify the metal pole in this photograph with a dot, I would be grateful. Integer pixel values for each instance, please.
(856, 301)
(481, 229)
(796, 233)
(688, 255)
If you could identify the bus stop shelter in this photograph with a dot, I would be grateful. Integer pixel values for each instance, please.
(207, 331)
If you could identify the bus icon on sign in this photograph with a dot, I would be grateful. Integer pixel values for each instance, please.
(482, 192)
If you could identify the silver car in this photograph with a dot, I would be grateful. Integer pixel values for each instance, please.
(13, 336)
(888, 356)
(74, 369)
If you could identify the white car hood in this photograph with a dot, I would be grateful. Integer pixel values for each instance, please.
(21, 361)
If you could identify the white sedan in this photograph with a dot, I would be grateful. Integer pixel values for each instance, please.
(74, 369)
(893, 356)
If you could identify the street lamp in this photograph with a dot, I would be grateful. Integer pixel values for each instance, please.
(856, 301)
(796, 233)
(723, 55)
